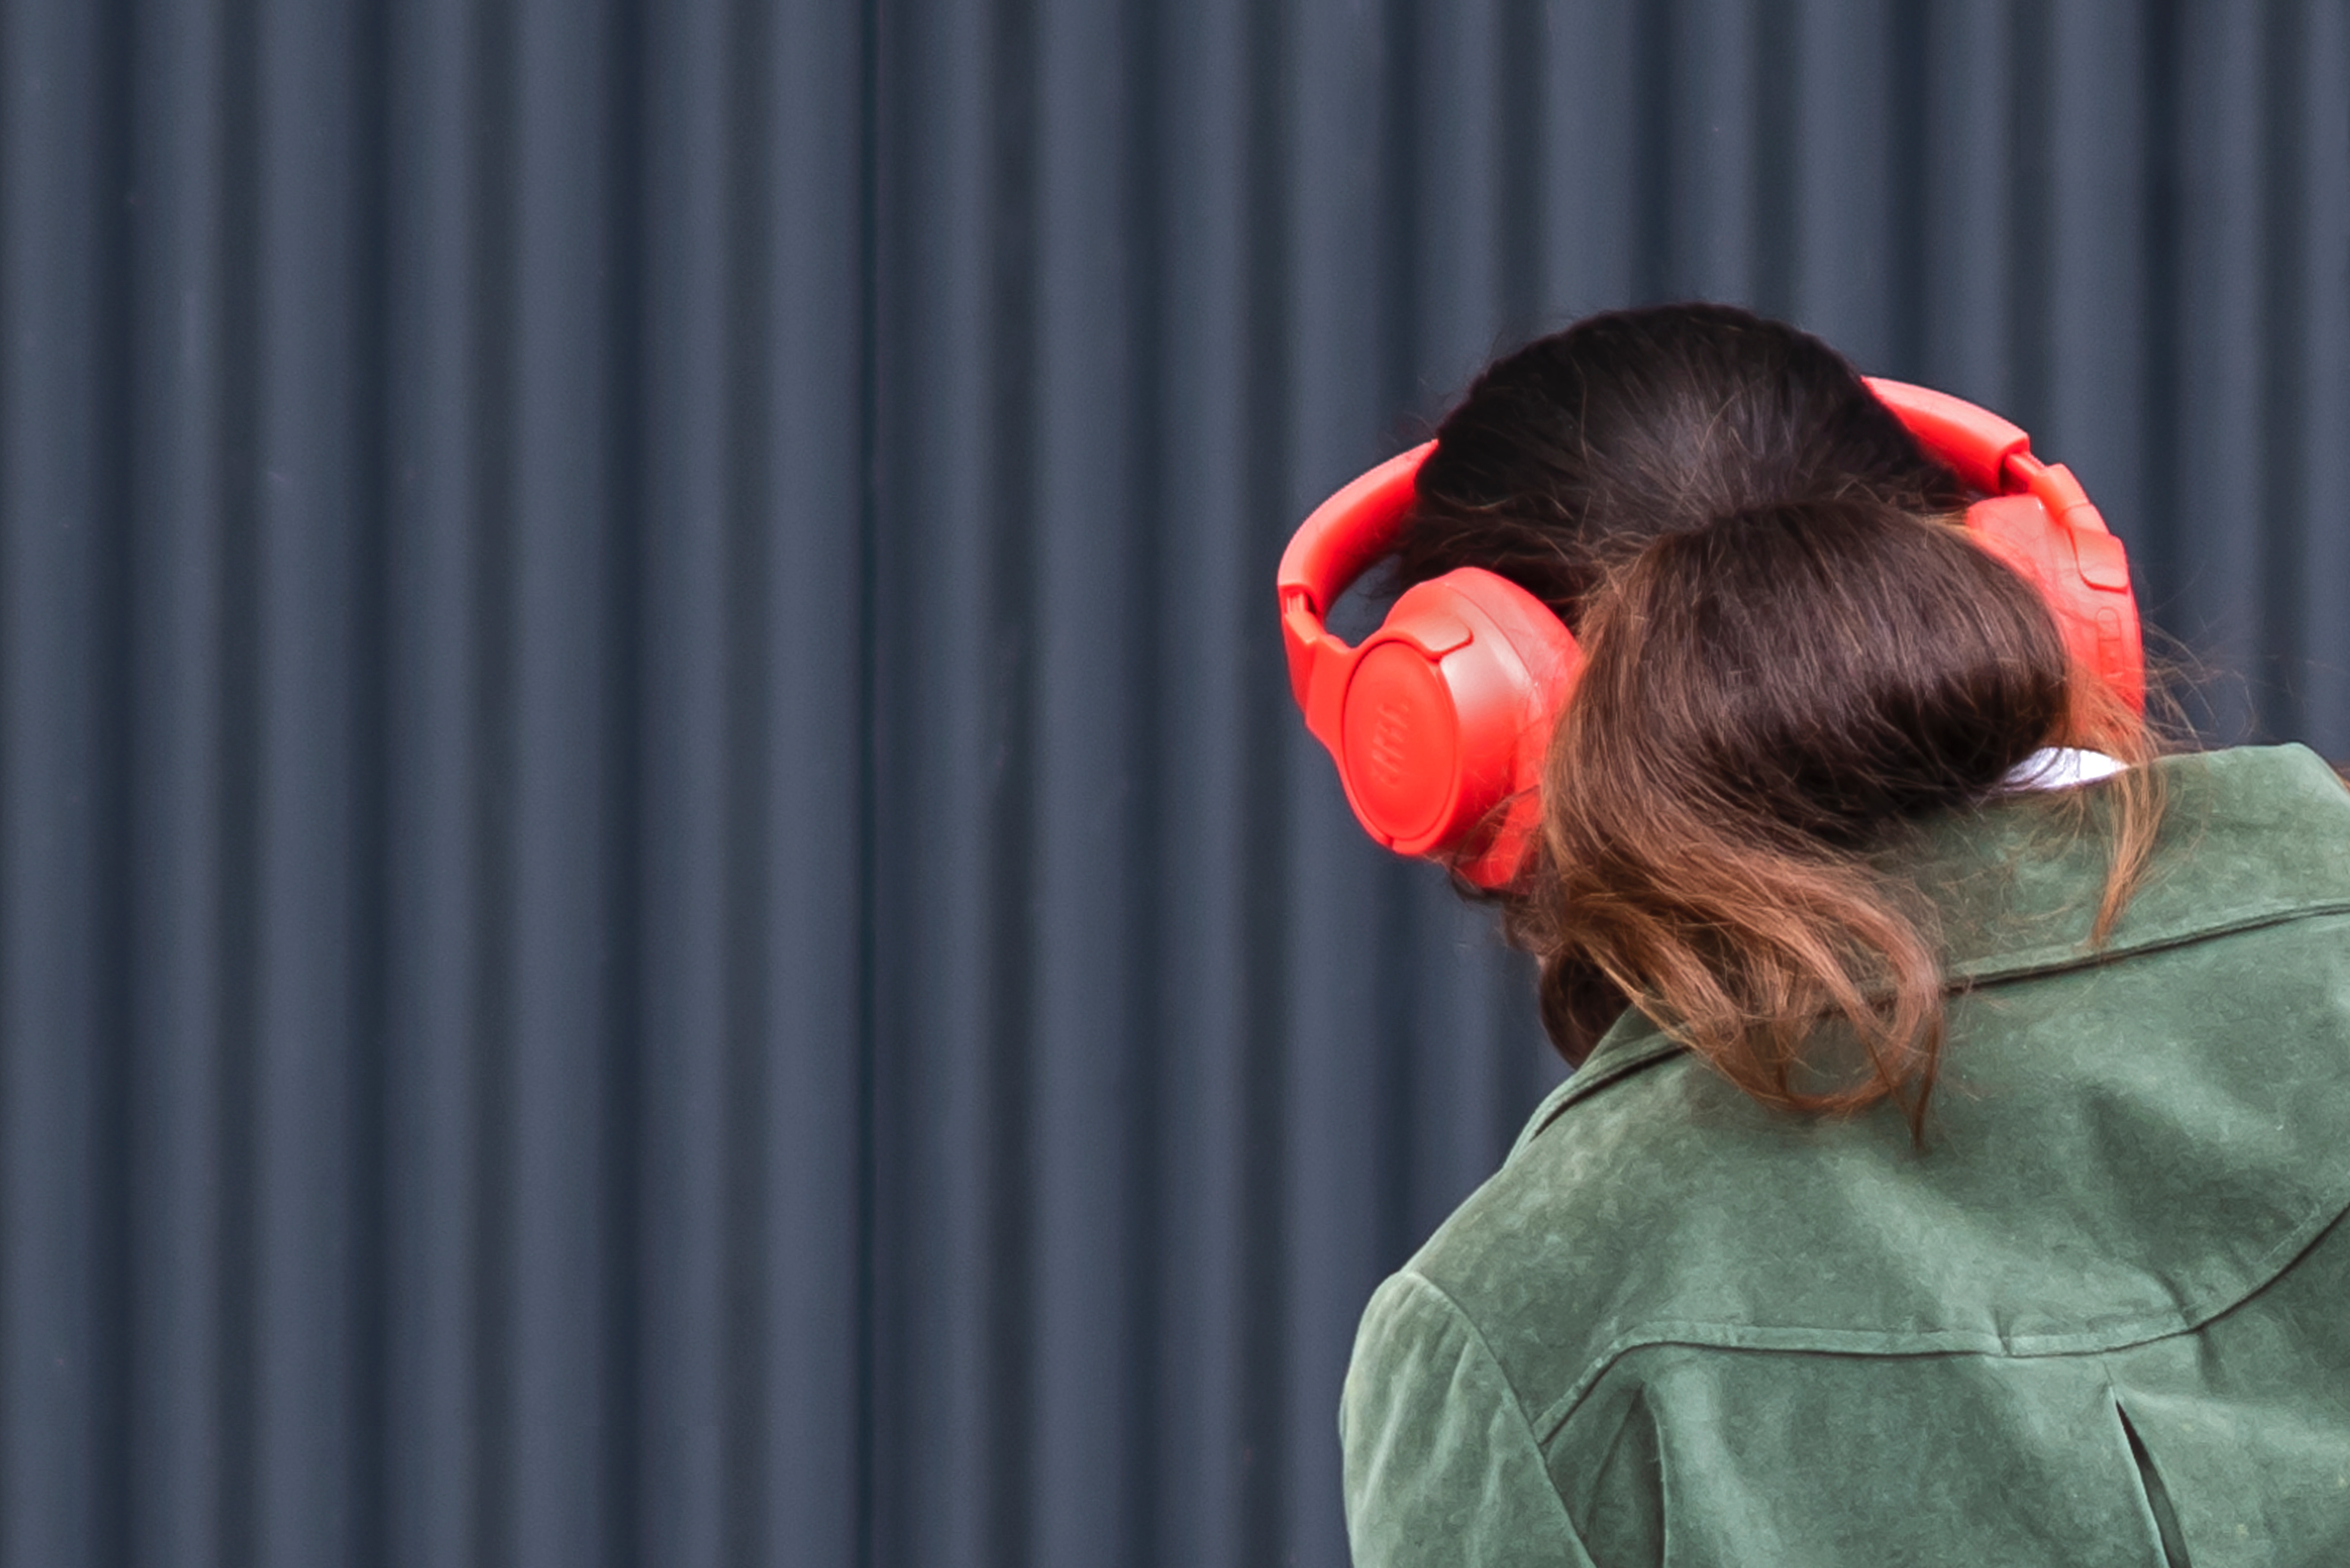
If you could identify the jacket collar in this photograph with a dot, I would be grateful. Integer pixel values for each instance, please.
(2250, 837)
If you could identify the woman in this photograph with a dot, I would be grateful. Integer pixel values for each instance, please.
(1951, 1167)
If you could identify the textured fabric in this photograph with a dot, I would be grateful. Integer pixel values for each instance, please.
(2099, 1318)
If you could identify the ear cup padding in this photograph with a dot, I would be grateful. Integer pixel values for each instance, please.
(1545, 651)
(2083, 577)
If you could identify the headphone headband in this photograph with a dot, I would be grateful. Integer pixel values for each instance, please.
(1974, 441)
(1340, 541)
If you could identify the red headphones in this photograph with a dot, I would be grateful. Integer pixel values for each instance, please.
(1439, 720)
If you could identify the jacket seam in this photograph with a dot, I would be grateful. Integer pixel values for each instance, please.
(1517, 1400)
(1577, 1091)
(2029, 962)
(1795, 1339)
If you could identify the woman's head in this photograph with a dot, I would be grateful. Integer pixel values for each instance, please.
(1792, 648)
(1585, 445)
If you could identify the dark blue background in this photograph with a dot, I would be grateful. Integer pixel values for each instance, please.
(659, 900)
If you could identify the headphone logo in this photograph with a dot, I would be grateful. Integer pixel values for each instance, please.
(1392, 740)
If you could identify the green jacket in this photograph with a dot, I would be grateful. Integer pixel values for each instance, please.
(2103, 1316)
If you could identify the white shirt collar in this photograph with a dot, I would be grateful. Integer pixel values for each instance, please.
(2059, 767)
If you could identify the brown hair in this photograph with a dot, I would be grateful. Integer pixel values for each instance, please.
(1791, 650)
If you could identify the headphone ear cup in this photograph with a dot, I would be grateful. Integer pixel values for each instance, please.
(1447, 713)
(1498, 846)
(2083, 575)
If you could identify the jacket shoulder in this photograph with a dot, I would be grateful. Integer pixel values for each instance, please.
(2118, 1152)
(1441, 1465)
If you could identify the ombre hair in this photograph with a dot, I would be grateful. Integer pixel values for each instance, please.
(1793, 648)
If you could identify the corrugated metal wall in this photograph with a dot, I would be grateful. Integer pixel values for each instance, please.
(659, 903)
